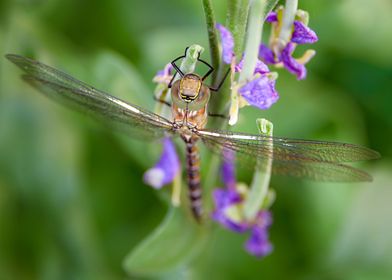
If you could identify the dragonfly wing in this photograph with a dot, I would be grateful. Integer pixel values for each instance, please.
(320, 171)
(315, 160)
(286, 148)
(73, 93)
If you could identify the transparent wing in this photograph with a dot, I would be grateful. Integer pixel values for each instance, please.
(286, 148)
(320, 171)
(69, 91)
(316, 160)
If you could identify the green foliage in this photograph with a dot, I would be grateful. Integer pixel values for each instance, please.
(170, 246)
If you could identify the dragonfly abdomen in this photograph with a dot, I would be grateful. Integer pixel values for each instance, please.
(193, 176)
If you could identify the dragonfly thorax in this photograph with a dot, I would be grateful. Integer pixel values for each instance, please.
(186, 130)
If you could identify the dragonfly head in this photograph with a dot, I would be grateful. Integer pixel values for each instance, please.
(190, 86)
(190, 92)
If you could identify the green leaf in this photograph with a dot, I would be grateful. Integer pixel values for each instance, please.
(170, 246)
(113, 73)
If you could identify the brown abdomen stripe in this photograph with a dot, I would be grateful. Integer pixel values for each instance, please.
(193, 172)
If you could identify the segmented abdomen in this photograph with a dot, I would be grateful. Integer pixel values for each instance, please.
(193, 172)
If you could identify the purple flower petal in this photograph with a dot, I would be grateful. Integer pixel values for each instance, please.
(264, 219)
(303, 34)
(238, 67)
(165, 169)
(291, 64)
(261, 67)
(227, 43)
(224, 199)
(266, 54)
(258, 244)
(165, 71)
(272, 17)
(260, 92)
(228, 170)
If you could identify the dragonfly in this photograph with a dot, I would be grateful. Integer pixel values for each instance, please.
(315, 160)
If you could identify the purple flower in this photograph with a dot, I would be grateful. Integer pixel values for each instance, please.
(303, 34)
(228, 213)
(261, 67)
(258, 244)
(165, 169)
(224, 199)
(291, 64)
(266, 54)
(272, 17)
(227, 43)
(281, 51)
(260, 92)
(165, 71)
(162, 78)
(228, 170)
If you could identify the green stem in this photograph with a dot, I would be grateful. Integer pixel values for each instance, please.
(253, 39)
(189, 63)
(261, 178)
(231, 13)
(269, 6)
(236, 22)
(176, 190)
(212, 38)
(210, 182)
(289, 13)
(237, 17)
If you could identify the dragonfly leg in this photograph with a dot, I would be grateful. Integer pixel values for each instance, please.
(218, 116)
(221, 82)
(209, 66)
(171, 82)
(173, 63)
(162, 101)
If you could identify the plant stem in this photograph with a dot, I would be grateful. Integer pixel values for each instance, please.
(189, 63)
(269, 6)
(237, 16)
(288, 19)
(253, 39)
(212, 38)
(261, 178)
(176, 191)
(210, 182)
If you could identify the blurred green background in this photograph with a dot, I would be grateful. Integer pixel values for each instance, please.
(72, 200)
